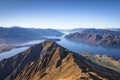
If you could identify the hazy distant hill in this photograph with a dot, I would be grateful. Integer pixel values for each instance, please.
(114, 29)
(102, 37)
(77, 30)
(15, 34)
(50, 61)
(102, 32)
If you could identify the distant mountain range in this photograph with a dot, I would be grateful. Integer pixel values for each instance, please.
(114, 29)
(77, 30)
(83, 29)
(102, 32)
(18, 34)
(50, 61)
(106, 38)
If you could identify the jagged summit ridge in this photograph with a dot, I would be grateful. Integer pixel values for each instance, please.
(50, 61)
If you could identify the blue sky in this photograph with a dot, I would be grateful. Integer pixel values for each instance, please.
(58, 14)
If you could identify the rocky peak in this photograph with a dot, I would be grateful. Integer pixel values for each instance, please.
(50, 61)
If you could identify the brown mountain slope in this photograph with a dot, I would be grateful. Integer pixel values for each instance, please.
(49, 61)
(96, 37)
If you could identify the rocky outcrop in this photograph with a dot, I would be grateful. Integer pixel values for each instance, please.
(50, 61)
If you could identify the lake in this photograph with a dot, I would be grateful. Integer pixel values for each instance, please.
(80, 47)
(12, 52)
(73, 46)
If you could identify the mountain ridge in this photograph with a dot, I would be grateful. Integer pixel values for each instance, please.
(19, 34)
(50, 61)
(105, 38)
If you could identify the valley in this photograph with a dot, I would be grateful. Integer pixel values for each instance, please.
(96, 58)
(59, 39)
(104, 60)
(49, 60)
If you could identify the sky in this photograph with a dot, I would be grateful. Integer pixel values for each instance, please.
(60, 14)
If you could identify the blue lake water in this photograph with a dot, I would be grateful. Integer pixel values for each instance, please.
(73, 46)
(84, 47)
(12, 52)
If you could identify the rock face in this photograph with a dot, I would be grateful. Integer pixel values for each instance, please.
(50, 61)
(105, 38)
